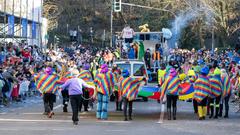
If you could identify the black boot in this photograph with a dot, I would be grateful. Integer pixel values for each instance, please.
(169, 113)
(211, 112)
(216, 113)
(174, 113)
(117, 106)
(220, 110)
(226, 114)
(65, 109)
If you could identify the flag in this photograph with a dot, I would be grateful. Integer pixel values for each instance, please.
(140, 51)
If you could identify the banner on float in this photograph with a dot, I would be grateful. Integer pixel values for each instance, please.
(34, 30)
(11, 25)
(24, 27)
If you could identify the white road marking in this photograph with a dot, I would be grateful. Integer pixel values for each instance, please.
(30, 120)
(56, 107)
(117, 130)
(114, 121)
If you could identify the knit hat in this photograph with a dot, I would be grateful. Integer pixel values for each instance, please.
(173, 72)
(104, 68)
(75, 72)
(125, 73)
(217, 71)
(223, 73)
(205, 70)
(86, 66)
(191, 73)
(182, 76)
(48, 70)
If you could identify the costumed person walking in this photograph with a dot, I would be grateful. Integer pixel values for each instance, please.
(75, 91)
(47, 84)
(216, 93)
(104, 82)
(226, 93)
(202, 90)
(86, 76)
(171, 88)
(129, 90)
(192, 78)
(64, 76)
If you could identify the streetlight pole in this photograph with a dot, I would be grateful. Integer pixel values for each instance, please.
(111, 23)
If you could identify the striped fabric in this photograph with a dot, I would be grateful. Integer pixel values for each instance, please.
(46, 83)
(226, 86)
(68, 75)
(171, 86)
(216, 86)
(129, 87)
(104, 83)
(85, 75)
(202, 88)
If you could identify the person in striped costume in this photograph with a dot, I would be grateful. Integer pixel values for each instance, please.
(216, 92)
(129, 90)
(46, 82)
(86, 76)
(171, 88)
(104, 82)
(226, 93)
(202, 90)
(117, 72)
(192, 78)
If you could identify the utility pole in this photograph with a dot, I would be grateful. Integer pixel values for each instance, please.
(213, 38)
(111, 23)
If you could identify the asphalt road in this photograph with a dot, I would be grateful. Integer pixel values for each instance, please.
(27, 119)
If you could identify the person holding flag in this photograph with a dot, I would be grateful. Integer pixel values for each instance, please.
(75, 90)
(171, 88)
(129, 91)
(104, 82)
(202, 90)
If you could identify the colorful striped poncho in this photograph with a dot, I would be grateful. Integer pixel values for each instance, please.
(129, 87)
(104, 83)
(216, 86)
(85, 75)
(171, 86)
(46, 83)
(68, 75)
(226, 86)
(202, 88)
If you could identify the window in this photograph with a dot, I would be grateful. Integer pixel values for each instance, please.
(139, 70)
(125, 66)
